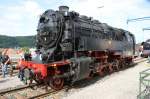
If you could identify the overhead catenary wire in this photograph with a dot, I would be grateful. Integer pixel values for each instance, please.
(146, 29)
(138, 19)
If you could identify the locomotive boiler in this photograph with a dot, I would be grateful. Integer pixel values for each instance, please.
(73, 47)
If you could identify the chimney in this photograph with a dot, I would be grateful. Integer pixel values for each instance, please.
(64, 8)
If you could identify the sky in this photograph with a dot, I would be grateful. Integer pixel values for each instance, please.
(20, 17)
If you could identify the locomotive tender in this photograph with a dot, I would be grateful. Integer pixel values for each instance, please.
(73, 47)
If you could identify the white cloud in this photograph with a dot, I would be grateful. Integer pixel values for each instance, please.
(32, 7)
(21, 19)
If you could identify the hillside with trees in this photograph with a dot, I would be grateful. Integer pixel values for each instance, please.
(18, 41)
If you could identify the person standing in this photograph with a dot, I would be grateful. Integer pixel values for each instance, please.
(0, 59)
(5, 63)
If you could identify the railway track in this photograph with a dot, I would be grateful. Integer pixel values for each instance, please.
(29, 92)
(13, 92)
(46, 94)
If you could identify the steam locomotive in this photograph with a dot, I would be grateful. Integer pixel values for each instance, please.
(73, 47)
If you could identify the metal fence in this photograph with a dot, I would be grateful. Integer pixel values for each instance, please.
(144, 85)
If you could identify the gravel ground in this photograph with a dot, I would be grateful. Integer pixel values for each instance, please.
(119, 85)
(8, 82)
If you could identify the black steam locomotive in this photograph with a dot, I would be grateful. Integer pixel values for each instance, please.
(74, 47)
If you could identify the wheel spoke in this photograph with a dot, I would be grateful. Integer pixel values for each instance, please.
(56, 83)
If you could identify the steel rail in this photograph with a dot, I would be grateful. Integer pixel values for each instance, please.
(48, 93)
(9, 90)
